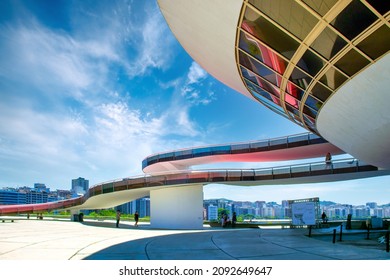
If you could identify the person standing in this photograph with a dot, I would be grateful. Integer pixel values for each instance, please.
(328, 161)
(223, 220)
(136, 217)
(234, 219)
(118, 217)
(324, 218)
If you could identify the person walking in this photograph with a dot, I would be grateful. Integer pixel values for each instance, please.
(118, 217)
(136, 217)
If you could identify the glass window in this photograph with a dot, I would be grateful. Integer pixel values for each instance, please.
(328, 43)
(202, 151)
(310, 112)
(352, 62)
(333, 78)
(271, 105)
(382, 6)
(313, 103)
(378, 43)
(255, 89)
(310, 122)
(261, 82)
(300, 78)
(268, 96)
(311, 63)
(295, 118)
(292, 103)
(268, 33)
(259, 69)
(289, 14)
(167, 156)
(320, 6)
(262, 53)
(220, 150)
(250, 75)
(355, 18)
(294, 91)
(183, 154)
(250, 45)
(321, 92)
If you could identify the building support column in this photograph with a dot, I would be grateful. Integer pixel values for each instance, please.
(177, 207)
(74, 215)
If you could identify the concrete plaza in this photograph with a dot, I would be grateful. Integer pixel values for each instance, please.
(100, 240)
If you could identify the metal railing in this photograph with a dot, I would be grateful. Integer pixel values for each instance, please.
(236, 148)
(186, 177)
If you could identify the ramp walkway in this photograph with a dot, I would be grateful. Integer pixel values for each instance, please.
(308, 145)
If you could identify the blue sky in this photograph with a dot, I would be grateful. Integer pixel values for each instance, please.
(90, 88)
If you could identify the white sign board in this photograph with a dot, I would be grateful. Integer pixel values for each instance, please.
(303, 213)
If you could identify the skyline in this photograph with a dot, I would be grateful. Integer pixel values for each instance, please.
(89, 89)
(245, 200)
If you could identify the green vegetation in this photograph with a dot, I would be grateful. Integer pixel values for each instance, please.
(106, 214)
(111, 214)
(222, 211)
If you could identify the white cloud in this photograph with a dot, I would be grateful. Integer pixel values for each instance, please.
(52, 62)
(196, 73)
(62, 115)
(154, 45)
(50, 139)
(193, 89)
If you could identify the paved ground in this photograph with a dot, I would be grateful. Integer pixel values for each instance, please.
(65, 240)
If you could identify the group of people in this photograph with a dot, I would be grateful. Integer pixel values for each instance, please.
(118, 218)
(225, 221)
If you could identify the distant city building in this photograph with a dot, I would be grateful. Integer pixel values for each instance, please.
(258, 209)
(10, 196)
(39, 187)
(26, 195)
(269, 212)
(219, 203)
(212, 211)
(63, 194)
(378, 212)
(285, 203)
(80, 185)
(36, 196)
(144, 207)
(141, 205)
(372, 205)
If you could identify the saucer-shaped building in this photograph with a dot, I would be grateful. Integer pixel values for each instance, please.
(323, 64)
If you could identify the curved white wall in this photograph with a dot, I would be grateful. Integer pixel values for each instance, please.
(207, 31)
(357, 117)
(177, 207)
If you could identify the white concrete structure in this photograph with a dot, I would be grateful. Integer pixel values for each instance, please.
(177, 207)
(322, 64)
(360, 106)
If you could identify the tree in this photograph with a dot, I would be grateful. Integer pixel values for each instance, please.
(222, 211)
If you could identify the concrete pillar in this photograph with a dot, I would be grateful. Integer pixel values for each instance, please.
(177, 207)
(72, 215)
